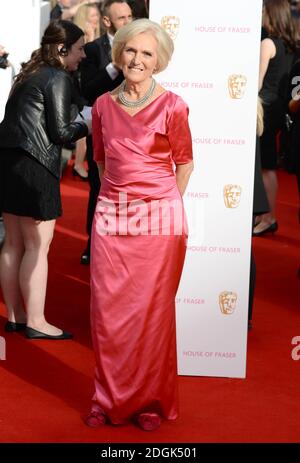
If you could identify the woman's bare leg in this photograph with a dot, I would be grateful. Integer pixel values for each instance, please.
(271, 187)
(10, 261)
(33, 274)
(80, 157)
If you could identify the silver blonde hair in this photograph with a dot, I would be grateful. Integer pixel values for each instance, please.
(165, 45)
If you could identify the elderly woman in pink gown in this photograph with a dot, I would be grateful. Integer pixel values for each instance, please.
(143, 148)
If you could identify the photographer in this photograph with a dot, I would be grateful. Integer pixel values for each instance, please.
(4, 63)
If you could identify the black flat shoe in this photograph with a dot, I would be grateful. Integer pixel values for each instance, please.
(270, 229)
(31, 333)
(10, 327)
(77, 174)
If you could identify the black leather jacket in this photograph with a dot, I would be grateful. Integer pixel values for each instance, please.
(38, 117)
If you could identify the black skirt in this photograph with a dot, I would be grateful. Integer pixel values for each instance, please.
(27, 188)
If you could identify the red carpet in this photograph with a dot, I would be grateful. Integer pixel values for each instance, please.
(46, 386)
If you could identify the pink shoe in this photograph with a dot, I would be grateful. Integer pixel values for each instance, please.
(149, 421)
(95, 419)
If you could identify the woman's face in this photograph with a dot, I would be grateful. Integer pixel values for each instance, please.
(75, 55)
(139, 57)
(93, 17)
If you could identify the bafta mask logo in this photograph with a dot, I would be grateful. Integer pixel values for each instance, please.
(232, 196)
(237, 86)
(171, 25)
(227, 301)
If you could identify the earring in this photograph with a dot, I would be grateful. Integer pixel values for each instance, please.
(62, 51)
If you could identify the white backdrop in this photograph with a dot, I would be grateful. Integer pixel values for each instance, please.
(215, 69)
(22, 24)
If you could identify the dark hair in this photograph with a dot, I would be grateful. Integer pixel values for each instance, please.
(139, 9)
(107, 4)
(57, 32)
(280, 22)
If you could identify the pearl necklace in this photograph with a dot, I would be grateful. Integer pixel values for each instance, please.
(135, 103)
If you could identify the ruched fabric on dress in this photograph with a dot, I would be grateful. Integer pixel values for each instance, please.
(138, 249)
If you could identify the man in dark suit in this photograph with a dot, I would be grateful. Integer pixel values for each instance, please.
(98, 76)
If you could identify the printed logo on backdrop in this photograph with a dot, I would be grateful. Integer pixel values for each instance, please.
(232, 196)
(215, 249)
(217, 29)
(188, 300)
(186, 84)
(227, 302)
(171, 25)
(197, 194)
(212, 141)
(237, 86)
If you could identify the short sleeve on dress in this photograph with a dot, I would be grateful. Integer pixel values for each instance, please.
(98, 146)
(179, 133)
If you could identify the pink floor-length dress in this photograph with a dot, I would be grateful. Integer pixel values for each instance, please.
(136, 262)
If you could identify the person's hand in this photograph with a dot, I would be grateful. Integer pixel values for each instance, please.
(2, 51)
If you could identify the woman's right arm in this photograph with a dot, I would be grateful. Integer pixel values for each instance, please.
(58, 98)
(98, 145)
(100, 170)
(267, 52)
(180, 140)
(294, 104)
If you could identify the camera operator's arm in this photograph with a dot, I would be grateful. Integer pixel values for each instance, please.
(63, 12)
(4, 63)
(69, 13)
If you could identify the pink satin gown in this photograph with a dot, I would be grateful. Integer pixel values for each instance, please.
(137, 256)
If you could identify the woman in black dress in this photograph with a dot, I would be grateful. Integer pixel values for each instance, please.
(260, 203)
(277, 52)
(36, 124)
(294, 108)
